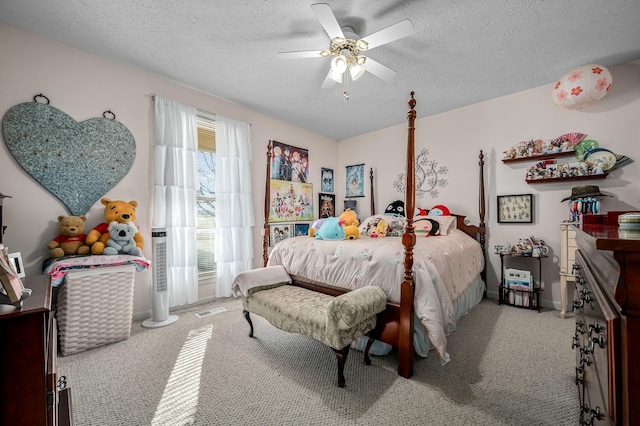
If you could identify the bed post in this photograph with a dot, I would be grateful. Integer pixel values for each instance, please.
(483, 274)
(405, 343)
(265, 226)
(373, 208)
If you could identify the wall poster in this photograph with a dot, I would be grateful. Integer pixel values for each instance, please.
(289, 163)
(290, 201)
(355, 181)
(278, 233)
(327, 205)
(327, 180)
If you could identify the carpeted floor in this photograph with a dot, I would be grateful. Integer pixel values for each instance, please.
(508, 366)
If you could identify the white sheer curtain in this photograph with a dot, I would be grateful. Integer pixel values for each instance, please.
(174, 203)
(234, 208)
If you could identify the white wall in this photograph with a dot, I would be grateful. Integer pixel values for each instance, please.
(83, 86)
(455, 138)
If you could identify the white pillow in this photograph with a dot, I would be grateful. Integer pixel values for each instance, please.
(424, 226)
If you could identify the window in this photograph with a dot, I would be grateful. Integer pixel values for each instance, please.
(206, 199)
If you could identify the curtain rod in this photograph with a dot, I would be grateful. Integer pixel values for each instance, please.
(201, 112)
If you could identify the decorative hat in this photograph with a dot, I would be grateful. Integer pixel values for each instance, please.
(584, 191)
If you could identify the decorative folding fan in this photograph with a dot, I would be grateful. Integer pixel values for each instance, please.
(583, 146)
(621, 160)
(573, 138)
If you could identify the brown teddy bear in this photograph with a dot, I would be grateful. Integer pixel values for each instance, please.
(114, 210)
(71, 238)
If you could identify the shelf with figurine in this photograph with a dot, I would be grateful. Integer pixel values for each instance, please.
(540, 150)
(591, 162)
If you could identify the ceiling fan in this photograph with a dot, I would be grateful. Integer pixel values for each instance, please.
(346, 48)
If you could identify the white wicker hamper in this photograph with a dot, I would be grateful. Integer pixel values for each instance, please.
(95, 307)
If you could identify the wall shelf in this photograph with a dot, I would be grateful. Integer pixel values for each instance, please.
(568, 179)
(541, 157)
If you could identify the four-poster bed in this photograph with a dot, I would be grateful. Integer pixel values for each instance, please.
(395, 325)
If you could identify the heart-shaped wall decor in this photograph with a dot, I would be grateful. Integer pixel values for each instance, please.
(78, 162)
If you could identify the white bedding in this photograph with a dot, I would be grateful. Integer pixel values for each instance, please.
(444, 266)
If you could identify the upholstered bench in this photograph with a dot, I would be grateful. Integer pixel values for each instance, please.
(335, 321)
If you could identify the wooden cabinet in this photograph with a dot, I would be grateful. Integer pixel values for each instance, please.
(568, 249)
(28, 380)
(607, 307)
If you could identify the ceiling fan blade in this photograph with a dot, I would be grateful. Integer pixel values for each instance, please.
(328, 83)
(327, 19)
(379, 70)
(300, 54)
(387, 35)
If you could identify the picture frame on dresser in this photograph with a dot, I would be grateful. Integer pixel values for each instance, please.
(517, 208)
(16, 261)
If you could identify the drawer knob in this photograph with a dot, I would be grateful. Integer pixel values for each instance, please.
(600, 341)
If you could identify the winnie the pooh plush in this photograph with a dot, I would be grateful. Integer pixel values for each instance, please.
(349, 218)
(121, 239)
(114, 210)
(352, 232)
(71, 237)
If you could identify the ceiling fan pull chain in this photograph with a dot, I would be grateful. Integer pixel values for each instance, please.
(345, 93)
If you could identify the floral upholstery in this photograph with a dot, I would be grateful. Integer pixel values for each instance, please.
(334, 321)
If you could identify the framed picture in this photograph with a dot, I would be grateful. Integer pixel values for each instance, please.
(355, 181)
(16, 262)
(301, 229)
(327, 203)
(327, 180)
(278, 233)
(515, 208)
(290, 201)
(289, 163)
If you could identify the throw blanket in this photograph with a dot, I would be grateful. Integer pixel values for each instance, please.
(59, 267)
(444, 266)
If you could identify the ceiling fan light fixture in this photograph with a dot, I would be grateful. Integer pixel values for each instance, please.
(339, 65)
(356, 71)
(325, 53)
(362, 45)
(335, 76)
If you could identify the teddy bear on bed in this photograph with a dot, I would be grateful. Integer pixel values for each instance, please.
(71, 237)
(350, 224)
(121, 239)
(114, 210)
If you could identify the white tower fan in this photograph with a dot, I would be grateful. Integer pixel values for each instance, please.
(159, 291)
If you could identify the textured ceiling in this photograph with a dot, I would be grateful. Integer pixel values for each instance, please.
(462, 52)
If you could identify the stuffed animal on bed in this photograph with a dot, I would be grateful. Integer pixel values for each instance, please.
(121, 239)
(313, 229)
(349, 218)
(119, 211)
(71, 237)
(331, 229)
(352, 232)
(426, 226)
(439, 211)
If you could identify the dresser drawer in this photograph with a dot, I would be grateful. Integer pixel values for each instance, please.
(595, 354)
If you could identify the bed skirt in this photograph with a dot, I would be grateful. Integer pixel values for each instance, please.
(421, 344)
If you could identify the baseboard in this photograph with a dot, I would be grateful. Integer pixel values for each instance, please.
(143, 315)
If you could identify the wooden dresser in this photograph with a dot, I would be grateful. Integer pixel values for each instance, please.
(607, 334)
(28, 382)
